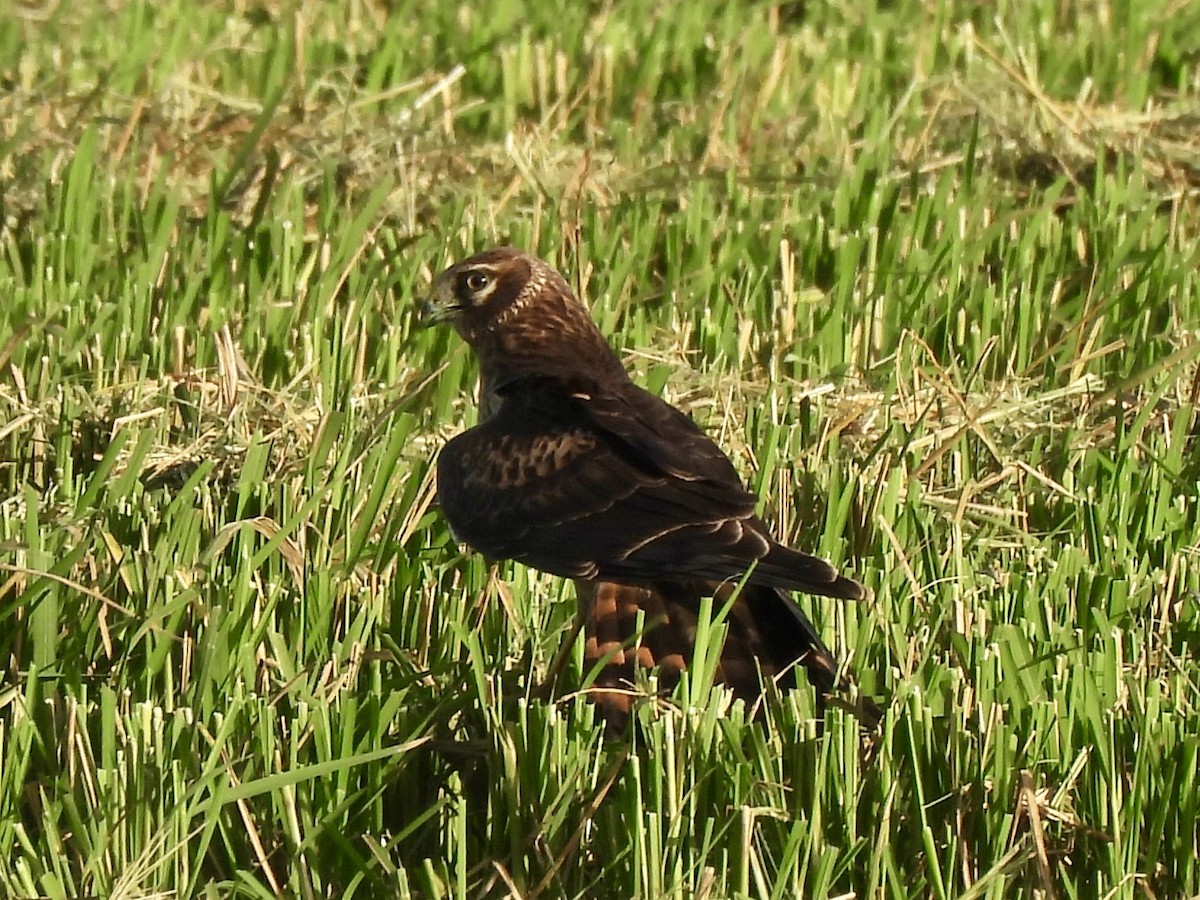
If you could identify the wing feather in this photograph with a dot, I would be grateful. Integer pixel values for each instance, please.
(585, 481)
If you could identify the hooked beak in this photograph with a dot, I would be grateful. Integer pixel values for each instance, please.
(439, 306)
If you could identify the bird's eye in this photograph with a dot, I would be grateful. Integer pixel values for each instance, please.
(477, 281)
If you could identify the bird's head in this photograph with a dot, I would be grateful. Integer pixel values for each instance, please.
(520, 316)
(489, 290)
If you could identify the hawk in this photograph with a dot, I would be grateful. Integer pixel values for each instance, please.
(576, 471)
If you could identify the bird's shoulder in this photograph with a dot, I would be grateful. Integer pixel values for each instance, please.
(564, 417)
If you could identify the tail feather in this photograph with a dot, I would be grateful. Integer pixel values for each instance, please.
(768, 637)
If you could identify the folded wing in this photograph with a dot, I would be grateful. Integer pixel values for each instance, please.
(589, 481)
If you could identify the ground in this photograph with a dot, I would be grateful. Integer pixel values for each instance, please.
(933, 261)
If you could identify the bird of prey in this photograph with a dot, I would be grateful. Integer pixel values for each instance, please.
(576, 471)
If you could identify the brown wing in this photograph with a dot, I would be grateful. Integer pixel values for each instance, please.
(609, 482)
(767, 637)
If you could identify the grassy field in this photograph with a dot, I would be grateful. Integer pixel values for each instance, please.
(930, 272)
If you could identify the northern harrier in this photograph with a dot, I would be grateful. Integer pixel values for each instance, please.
(575, 470)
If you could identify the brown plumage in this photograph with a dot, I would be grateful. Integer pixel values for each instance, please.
(575, 470)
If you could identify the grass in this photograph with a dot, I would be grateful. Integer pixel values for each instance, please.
(927, 270)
